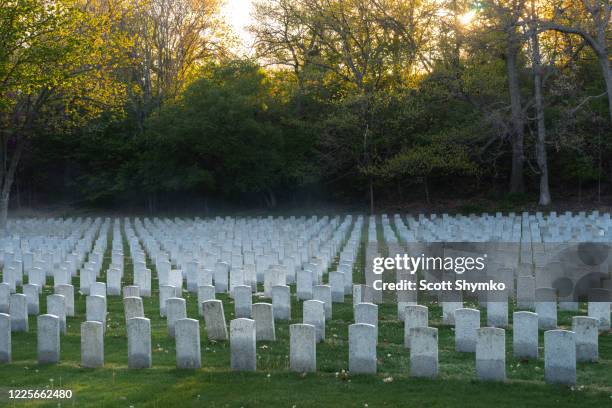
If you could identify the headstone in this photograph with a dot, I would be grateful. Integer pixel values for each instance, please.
(336, 283)
(5, 338)
(525, 292)
(176, 309)
(264, 322)
(132, 307)
(497, 313)
(113, 282)
(214, 318)
(95, 309)
(56, 305)
(92, 344)
(242, 345)
(560, 357)
(525, 335)
(97, 289)
(281, 302)
(142, 279)
(587, 342)
(423, 352)
(5, 296)
(139, 342)
(273, 277)
(314, 314)
(304, 285)
(362, 348)
(175, 278)
(165, 292)
(467, 323)
(323, 293)
(243, 301)
(448, 312)
(48, 330)
(303, 348)
(491, 354)
(599, 307)
(188, 354)
(546, 308)
(414, 316)
(221, 277)
(366, 313)
(31, 291)
(68, 292)
(131, 291)
(18, 309)
(358, 294)
(205, 292)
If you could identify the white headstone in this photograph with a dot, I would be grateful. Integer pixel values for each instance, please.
(214, 318)
(31, 292)
(546, 308)
(48, 331)
(18, 309)
(205, 292)
(68, 292)
(467, 323)
(303, 348)
(423, 352)
(187, 333)
(5, 338)
(323, 293)
(587, 338)
(243, 301)
(366, 313)
(281, 302)
(56, 305)
(243, 345)
(92, 344)
(139, 342)
(264, 322)
(414, 316)
(132, 307)
(314, 314)
(362, 348)
(491, 354)
(560, 357)
(176, 309)
(525, 335)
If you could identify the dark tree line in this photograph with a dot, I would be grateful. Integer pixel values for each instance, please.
(353, 101)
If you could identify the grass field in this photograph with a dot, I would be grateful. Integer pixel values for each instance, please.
(273, 385)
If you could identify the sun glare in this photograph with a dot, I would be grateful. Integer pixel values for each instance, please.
(238, 14)
(467, 18)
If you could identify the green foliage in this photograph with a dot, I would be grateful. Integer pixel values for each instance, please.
(224, 135)
(360, 94)
(440, 157)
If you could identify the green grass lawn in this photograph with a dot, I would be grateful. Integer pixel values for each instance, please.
(215, 385)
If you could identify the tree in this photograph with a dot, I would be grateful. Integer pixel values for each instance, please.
(541, 156)
(173, 39)
(222, 136)
(590, 20)
(56, 62)
(363, 44)
(505, 20)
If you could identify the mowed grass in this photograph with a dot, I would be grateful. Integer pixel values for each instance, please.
(273, 385)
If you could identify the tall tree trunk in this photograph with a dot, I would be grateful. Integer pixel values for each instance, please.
(7, 182)
(518, 132)
(606, 69)
(541, 124)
